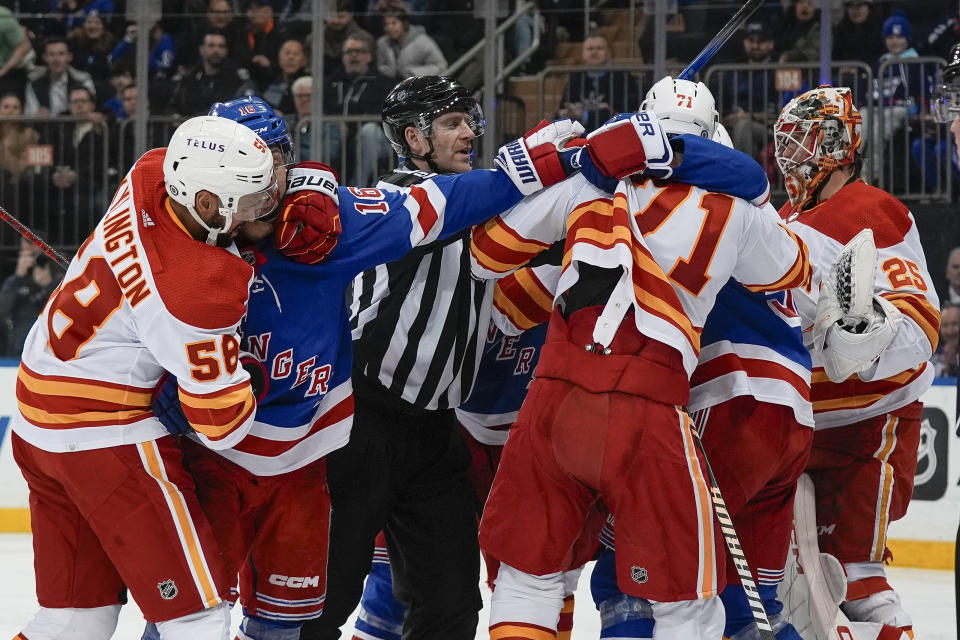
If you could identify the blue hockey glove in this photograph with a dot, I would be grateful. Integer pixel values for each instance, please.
(166, 407)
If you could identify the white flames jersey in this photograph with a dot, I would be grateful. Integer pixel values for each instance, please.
(902, 373)
(140, 298)
(677, 245)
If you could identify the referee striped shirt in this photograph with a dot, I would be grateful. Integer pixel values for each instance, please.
(419, 324)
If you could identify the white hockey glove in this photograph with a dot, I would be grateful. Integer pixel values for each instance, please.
(534, 162)
(631, 143)
(853, 326)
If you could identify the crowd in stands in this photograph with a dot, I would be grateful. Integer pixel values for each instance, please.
(73, 61)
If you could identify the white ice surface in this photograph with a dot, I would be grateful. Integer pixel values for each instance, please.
(927, 595)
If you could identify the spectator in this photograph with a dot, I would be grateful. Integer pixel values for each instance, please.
(406, 50)
(16, 53)
(160, 61)
(747, 99)
(857, 35)
(219, 16)
(357, 90)
(91, 44)
(291, 61)
(799, 33)
(49, 87)
(952, 293)
(945, 359)
(123, 148)
(942, 36)
(17, 190)
(23, 296)
(14, 138)
(80, 167)
(121, 76)
(897, 37)
(899, 86)
(594, 95)
(72, 13)
(337, 27)
(258, 43)
(216, 79)
(301, 89)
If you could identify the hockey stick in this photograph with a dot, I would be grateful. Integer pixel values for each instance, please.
(27, 233)
(710, 50)
(764, 629)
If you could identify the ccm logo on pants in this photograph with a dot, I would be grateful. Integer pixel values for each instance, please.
(296, 583)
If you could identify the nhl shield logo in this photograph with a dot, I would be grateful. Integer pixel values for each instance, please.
(168, 589)
(639, 574)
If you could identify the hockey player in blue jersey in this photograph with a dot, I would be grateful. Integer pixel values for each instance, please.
(306, 402)
(268, 494)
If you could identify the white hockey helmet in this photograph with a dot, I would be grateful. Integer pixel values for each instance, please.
(227, 159)
(683, 107)
(720, 135)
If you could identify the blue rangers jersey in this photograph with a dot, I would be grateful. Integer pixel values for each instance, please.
(504, 376)
(751, 345)
(297, 323)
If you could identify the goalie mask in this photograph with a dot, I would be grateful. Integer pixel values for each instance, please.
(946, 98)
(817, 132)
(683, 106)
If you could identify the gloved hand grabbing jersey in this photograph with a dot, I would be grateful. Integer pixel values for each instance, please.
(308, 226)
(166, 401)
(535, 161)
(631, 143)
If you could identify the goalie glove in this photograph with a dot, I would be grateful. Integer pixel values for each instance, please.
(308, 226)
(534, 161)
(631, 143)
(853, 326)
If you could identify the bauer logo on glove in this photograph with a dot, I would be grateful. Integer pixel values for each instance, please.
(308, 227)
(632, 144)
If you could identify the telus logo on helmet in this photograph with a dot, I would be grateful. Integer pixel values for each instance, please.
(203, 144)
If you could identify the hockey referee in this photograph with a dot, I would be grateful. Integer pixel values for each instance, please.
(419, 326)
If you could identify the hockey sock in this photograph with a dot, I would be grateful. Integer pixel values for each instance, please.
(525, 606)
(621, 616)
(565, 624)
(381, 616)
(254, 628)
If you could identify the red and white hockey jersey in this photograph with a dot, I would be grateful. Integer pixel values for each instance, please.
(140, 297)
(677, 245)
(903, 372)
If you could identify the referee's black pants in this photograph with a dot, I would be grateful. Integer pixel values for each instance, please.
(405, 472)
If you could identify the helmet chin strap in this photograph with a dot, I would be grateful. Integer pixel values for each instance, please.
(428, 156)
(212, 232)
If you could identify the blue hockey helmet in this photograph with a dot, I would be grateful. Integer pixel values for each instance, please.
(254, 113)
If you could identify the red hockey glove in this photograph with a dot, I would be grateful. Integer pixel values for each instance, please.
(308, 226)
(631, 143)
(533, 162)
